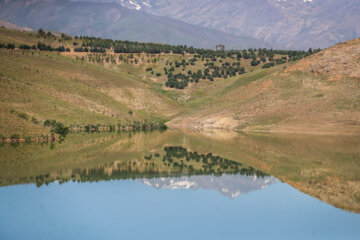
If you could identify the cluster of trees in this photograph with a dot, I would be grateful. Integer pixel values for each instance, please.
(179, 81)
(44, 47)
(57, 127)
(224, 71)
(63, 37)
(7, 46)
(177, 156)
(211, 71)
(43, 34)
(131, 47)
(268, 65)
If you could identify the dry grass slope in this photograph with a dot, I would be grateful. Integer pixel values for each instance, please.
(319, 94)
(300, 97)
(49, 85)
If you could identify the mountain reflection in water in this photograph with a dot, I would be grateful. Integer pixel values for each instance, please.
(122, 186)
(325, 167)
(227, 184)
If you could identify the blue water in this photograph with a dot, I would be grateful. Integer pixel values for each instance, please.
(129, 209)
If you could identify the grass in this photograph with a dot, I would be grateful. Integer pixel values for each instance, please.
(51, 86)
(61, 86)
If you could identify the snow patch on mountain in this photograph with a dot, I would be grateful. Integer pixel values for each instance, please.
(135, 4)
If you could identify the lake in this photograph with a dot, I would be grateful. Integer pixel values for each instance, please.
(182, 185)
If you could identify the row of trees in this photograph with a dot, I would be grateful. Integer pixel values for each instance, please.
(93, 49)
(156, 48)
(44, 47)
(7, 46)
(99, 45)
(126, 126)
(40, 46)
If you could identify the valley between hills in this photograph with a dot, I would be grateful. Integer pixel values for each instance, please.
(51, 76)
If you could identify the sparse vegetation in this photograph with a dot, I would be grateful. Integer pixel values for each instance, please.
(128, 82)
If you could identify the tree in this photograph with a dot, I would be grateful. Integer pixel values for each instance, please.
(41, 33)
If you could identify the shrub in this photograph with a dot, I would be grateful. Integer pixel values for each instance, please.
(27, 139)
(10, 46)
(268, 65)
(34, 120)
(24, 46)
(49, 123)
(3, 138)
(23, 115)
(57, 127)
(60, 129)
(15, 137)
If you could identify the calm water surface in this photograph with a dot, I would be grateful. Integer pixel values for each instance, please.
(174, 185)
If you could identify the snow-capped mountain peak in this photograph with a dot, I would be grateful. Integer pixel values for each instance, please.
(135, 4)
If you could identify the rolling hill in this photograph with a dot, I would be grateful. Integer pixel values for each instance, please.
(318, 94)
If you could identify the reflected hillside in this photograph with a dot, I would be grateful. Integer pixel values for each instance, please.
(326, 167)
(101, 156)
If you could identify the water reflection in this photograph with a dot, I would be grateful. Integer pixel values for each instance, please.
(231, 186)
(122, 186)
(325, 167)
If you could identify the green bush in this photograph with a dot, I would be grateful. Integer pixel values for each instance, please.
(15, 137)
(60, 129)
(268, 65)
(57, 127)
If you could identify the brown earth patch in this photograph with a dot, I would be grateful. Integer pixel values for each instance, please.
(337, 62)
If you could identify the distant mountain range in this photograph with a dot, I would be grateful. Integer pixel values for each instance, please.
(283, 24)
(228, 185)
(111, 20)
(296, 24)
